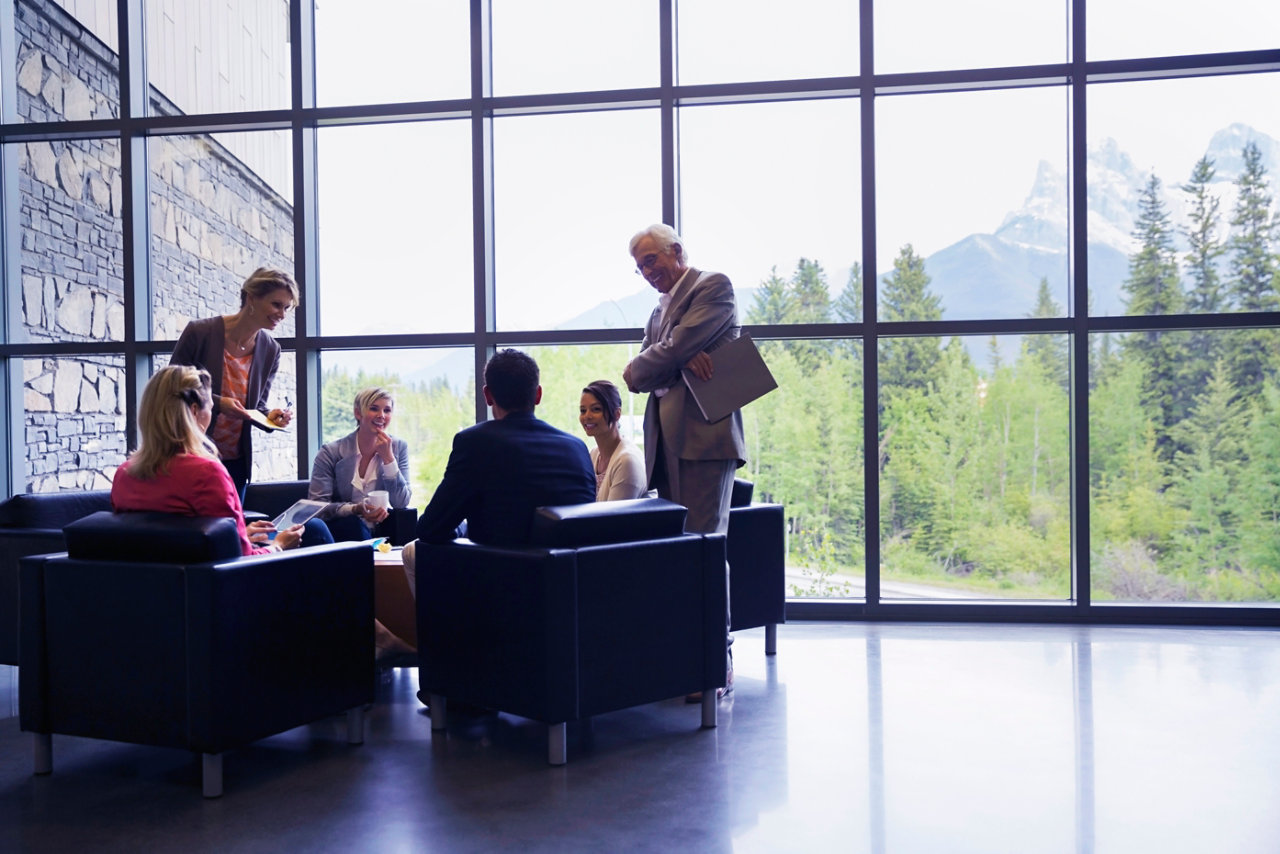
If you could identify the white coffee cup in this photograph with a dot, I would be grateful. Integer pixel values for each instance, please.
(379, 498)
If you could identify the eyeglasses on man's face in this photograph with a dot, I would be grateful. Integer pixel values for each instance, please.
(646, 263)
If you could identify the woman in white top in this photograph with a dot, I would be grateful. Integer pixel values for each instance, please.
(619, 464)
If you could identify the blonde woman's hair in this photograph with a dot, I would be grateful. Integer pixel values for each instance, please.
(264, 280)
(368, 396)
(166, 425)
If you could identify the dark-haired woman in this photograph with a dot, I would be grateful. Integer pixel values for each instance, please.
(619, 464)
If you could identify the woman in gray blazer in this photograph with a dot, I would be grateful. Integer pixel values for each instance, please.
(367, 460)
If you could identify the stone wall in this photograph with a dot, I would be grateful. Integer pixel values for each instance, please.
(212, 222)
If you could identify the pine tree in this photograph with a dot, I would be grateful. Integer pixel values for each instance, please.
(848, 306)
(810, 296)
(1153, 288)
(1252, 353)
(772, 301)
(908, 363)
(1205, 248)
(848, 309)
(1206, 476)
(810, 302)
(1051, 350)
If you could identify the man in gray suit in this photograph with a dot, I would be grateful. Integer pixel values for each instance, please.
(689, 460)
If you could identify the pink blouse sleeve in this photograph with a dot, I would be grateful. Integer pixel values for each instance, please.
(214, 494)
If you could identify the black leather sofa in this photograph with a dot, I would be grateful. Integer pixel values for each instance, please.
(152, 629)
(612, 606)
(32, 523)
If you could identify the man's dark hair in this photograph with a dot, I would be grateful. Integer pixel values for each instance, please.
(512, 378)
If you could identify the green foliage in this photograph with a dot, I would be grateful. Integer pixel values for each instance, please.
(1051, 352)
(908, 364)
(1253, 353)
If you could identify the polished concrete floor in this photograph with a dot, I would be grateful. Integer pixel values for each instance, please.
(855, 737)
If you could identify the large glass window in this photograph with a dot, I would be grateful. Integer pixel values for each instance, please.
(1184, 466)
(71, 239)
(986, 213)
(213, 222)
(724, 40)
(224, 57)
(566, 370)
(572, 46)
(61, 76)
(1118, 29)
(1181, 177)
(769, 197)
(382, 51)
(73, 422)
(930, 35)
(395, 228)
(569, 191)
(974, 468)
(470, 174)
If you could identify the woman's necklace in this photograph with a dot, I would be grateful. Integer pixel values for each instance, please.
(242, 347)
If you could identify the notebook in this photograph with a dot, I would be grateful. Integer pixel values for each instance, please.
(738, 376)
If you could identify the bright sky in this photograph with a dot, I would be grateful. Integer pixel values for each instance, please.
(762, 185)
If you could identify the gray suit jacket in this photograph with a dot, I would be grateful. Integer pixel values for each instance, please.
(702, 316)
(335, 465)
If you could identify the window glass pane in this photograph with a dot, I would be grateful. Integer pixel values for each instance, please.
(804, 451)
(73, 422)
(221, 57)
(67, 64)
(71, 238)
(434, 399)
(975, 468)
(730, 40)
(1181, 187)
(769, 197)
(395, 228)
(933, 35)
(213, 222)
(408, 50)
(569, 191)
(275, 452)
(1130, 28)
(804, 444)
(566, 369)
(573, 46)
(987, 212)
(1184, 466)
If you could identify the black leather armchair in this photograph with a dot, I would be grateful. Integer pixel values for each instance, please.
(152, 629)
(31, 524)
(613, 606)
(757, 565)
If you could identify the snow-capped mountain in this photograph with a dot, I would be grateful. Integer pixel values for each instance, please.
(997, 275)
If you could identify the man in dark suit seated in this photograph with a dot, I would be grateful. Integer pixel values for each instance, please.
(501, 470)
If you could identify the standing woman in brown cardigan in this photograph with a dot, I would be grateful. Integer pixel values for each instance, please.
(242, 358)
